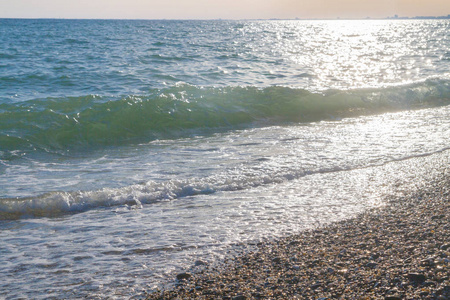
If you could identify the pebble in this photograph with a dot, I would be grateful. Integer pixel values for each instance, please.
(183, 276)
(200, 263)
(417, 277)
(445, 247)
(393, 297)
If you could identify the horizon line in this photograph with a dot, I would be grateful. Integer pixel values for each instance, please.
(395, 17)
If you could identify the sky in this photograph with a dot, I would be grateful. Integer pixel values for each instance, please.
(225, 9)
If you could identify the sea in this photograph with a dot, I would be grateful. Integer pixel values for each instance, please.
(133, 150)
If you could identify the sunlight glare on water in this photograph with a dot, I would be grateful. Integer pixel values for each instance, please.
(347, 54)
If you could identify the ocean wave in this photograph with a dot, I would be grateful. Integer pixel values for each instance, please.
(80, 123)
(58, 203)
(133, 196)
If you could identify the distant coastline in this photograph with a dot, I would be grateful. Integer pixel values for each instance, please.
(395, 17)
(419, 17)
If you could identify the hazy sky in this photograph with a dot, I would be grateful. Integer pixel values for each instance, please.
(226, 9)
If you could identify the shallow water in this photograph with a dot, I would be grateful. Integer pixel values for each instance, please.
(121, 251)
(131, 149)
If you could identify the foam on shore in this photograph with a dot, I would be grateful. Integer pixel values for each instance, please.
(401, 251)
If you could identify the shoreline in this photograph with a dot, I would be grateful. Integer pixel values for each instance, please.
(400, 251)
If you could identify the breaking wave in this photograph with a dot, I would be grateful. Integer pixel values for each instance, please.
(80, 123)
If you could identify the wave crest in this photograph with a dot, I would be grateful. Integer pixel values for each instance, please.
(77, 123)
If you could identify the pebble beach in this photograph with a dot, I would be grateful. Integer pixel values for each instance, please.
(399, 251)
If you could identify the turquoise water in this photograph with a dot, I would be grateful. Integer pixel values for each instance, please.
(130, 149)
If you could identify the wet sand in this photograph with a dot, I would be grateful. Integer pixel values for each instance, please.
(400, 251)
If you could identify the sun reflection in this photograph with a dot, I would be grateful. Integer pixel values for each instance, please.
(345, 54)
